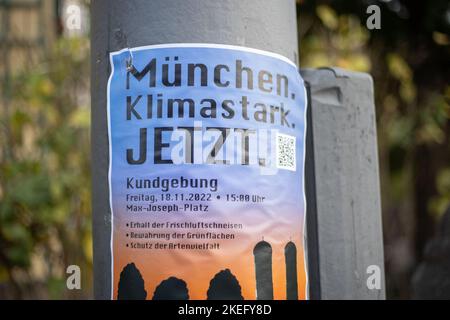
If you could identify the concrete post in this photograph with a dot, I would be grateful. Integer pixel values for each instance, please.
(345, 240)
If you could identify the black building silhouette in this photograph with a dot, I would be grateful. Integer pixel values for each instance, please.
(290, 256)
(263, 270)
(171, 289)
(224, 286)
(131, 284)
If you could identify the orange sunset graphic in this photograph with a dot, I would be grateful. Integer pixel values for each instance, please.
(263, 260)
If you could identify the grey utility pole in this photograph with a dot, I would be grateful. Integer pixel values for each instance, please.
(342, 182)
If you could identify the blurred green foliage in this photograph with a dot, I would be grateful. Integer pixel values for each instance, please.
(45, 209)
(408, 59)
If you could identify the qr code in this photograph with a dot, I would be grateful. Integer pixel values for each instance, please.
(285, 156)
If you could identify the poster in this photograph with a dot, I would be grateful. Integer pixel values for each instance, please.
(206, 173)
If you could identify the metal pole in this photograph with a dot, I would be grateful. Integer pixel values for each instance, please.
(262, 24)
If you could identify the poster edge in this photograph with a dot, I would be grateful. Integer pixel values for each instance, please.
(208, 45)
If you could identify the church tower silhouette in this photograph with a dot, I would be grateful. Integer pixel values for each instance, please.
(263, 270)
(290, 256)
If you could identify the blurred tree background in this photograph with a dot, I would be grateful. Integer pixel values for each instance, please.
(45, 203)
(45, 214)
(408, 59)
